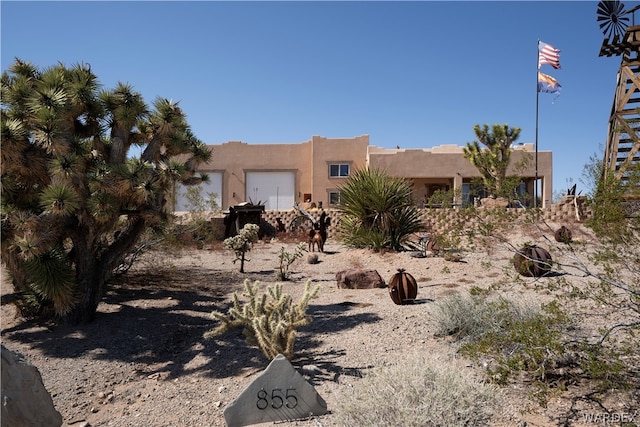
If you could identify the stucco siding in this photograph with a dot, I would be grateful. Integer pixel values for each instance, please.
(309, 162)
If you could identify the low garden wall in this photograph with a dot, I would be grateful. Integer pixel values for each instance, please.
(569, 210)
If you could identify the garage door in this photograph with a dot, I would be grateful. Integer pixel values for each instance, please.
(275, 189)
(205, 191)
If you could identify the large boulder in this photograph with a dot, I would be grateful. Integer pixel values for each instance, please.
(359, 279)
(25, 400)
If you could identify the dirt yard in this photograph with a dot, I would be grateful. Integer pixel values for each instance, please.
(143, 362)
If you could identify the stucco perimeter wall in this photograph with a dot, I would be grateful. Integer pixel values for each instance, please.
(435, 220)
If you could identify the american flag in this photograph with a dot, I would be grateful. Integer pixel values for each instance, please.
(547, 54)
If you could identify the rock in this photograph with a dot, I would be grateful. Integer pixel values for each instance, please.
(279, 393)
(312, 259)
(494, 202)
(359, 279)
(25, 400)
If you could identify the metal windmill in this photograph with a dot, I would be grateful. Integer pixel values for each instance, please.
(622, 39)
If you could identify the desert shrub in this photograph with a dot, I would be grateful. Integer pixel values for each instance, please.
(531, 344)
(377, 211)
(268, 324)
(241, 243)
(516, 338)
(417, 391)
(469, 317)
(287, 258)
(443, 198)
(195, 227)
(198, 204)
(453, 231)
(602, 353)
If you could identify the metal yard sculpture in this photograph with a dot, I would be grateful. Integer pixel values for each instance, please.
(532, 261)
(403, 288)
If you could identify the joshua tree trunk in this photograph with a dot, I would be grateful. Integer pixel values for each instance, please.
(94, 271)
(90, 286)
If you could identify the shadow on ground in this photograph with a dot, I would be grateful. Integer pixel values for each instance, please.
(156, 321)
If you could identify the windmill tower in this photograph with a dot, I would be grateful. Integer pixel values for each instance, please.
(622, 39)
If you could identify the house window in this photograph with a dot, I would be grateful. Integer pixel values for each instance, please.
(334, 198)
(338, 170)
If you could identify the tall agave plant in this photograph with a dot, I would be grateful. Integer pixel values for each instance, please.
(377, 211)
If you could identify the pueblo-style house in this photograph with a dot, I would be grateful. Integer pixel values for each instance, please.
(281, 175)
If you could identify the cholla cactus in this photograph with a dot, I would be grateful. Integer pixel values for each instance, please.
(288, 258)
(269, 325)
(241, 243)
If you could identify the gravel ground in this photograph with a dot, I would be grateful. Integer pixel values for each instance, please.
(143, 362)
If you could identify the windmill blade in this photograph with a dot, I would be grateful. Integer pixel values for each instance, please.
(607, 8)
(611, 15)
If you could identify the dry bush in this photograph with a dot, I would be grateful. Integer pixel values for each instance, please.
(418, 391)
(470, 317)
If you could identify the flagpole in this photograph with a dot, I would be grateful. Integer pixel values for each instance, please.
(535, 182)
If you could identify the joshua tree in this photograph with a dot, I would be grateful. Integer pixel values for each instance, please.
(493, 161)
(73, 203)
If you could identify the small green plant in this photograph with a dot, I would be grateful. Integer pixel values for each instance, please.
(444, 198)
(196, 226)
(241, 243)
(417, 391)
(197, 204)
(476, 291)
(288, 258)
(268, 324)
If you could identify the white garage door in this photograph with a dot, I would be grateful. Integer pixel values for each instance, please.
(275, 189)
(206, 191)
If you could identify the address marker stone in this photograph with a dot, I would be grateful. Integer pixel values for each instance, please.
(279, 393)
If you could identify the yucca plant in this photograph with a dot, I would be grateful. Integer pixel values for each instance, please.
(377, 211)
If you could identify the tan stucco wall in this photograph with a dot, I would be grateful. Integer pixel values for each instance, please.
(237, 158)
(446, 164)
(310, 161)
(335, 150)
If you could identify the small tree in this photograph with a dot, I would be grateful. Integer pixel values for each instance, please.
(197, 224)
(268, 324)
(378, 211)
(74, 204)
(288, 258)
(242, 242)
(492, 162)
(198, 203)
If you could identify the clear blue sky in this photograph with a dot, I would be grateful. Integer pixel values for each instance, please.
(413, 74)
